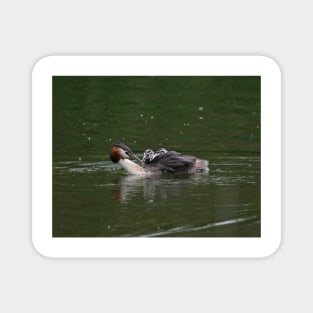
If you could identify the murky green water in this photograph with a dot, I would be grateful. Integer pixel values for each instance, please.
(215, 118)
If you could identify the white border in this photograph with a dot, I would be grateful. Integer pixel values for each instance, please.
(262, 66)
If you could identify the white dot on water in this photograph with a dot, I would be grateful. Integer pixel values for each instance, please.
(152, 117)
(200, 108)
(88, 138)
(200, 118)
(141, 115)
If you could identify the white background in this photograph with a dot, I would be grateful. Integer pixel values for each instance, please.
(261, 66)
(33, 29)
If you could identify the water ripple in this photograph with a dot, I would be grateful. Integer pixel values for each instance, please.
(84, 167)
(177, 230)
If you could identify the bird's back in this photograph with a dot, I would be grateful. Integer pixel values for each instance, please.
(171, 162)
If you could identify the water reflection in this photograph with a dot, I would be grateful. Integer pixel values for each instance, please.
(151, 188)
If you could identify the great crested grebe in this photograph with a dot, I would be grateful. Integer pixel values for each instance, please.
(161, 161)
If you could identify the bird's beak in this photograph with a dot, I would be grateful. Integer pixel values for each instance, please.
(134, 157)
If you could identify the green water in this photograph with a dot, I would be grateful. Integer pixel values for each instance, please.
(214, 118)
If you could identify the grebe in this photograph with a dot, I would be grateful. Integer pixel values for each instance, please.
(162, 161)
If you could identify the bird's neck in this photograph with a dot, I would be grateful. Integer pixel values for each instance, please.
(131, 167)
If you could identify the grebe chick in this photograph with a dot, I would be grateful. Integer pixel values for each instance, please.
(149, 155)
(161, 151)
(162, 161)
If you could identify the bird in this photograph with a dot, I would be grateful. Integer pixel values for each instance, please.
(161, 161)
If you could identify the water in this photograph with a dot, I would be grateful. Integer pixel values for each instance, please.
(214, 118)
